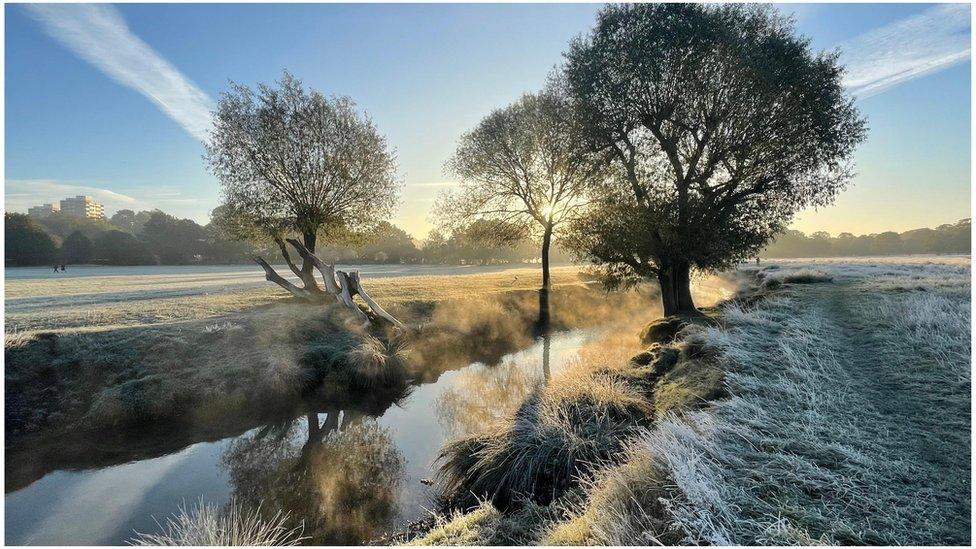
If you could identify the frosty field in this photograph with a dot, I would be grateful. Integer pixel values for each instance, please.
(849, 420)
(89, 297)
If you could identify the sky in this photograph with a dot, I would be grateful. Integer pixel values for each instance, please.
(114, 101)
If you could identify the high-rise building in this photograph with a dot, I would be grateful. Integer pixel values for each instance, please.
(43, 211)
(82, 206)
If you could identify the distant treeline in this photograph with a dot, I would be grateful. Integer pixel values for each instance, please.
(157, 238)
(948, 238)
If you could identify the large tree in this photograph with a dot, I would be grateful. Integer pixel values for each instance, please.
(25, 242)
(523, 172)
(174, 241)
(721, 123)
(77, 249)
(292, 161)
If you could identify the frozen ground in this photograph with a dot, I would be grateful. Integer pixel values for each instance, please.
(92, 297)
(850, 417)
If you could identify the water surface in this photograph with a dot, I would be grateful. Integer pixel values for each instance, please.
(371, 466)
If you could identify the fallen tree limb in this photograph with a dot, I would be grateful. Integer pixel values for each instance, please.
(345, 296)
(357, 288)
(272, 276)
(341, 285)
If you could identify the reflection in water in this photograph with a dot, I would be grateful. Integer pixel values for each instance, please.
(341, 477)
(480, 394)
(329, 462)
(544, 331)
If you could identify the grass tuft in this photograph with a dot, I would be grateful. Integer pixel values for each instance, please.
(558, 434)
(206, 524)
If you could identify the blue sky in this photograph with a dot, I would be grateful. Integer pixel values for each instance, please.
(110, 101)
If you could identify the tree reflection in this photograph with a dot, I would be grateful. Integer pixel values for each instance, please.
(483, 394)
(341, 476)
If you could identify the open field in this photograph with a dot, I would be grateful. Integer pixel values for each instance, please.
(833, 409)
(90, 297)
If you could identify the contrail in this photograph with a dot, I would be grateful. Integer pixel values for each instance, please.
(906, 49)
(876, 61)
(98, 34)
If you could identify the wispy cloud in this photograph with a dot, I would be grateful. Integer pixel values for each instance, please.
(98, 34)
(20, 194)
(906, 49)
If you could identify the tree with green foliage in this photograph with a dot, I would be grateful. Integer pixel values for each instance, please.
(26, 243)
(389, 244)
(721, 124)
(174, 241)
(130, 220)
(60, 225)
(121, 248)
(77, 249)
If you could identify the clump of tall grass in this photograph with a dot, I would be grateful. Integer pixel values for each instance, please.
(560, 432)
(485, 525)
(208, 525)
(624, 505)
(806, 276)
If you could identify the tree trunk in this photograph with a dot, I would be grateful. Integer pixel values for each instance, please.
(546, 242)
(307, 278)
(675, 280)
(309, 241)
(683, 289)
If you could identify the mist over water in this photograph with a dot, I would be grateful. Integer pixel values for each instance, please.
(353, 470)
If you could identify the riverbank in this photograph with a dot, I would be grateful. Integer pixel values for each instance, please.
(833, 409)
(468, 359)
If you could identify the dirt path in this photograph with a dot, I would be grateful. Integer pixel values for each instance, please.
(850, 420)
(916, 422)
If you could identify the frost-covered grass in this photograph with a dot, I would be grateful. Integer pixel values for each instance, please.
(191, 373)
(97, 302)
(235, 525)
(560, 432)
(849, 422)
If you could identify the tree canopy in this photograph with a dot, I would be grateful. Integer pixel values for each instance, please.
(523, 172)
(26, 243)
(77, 248)
(721, 124)
(291, 160)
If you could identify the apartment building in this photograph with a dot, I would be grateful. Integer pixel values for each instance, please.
(82, 206)
(44, 210)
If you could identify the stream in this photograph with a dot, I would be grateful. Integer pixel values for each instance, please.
(373, 465)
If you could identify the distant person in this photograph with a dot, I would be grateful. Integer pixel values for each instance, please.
(55, 268)
(63, 269)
